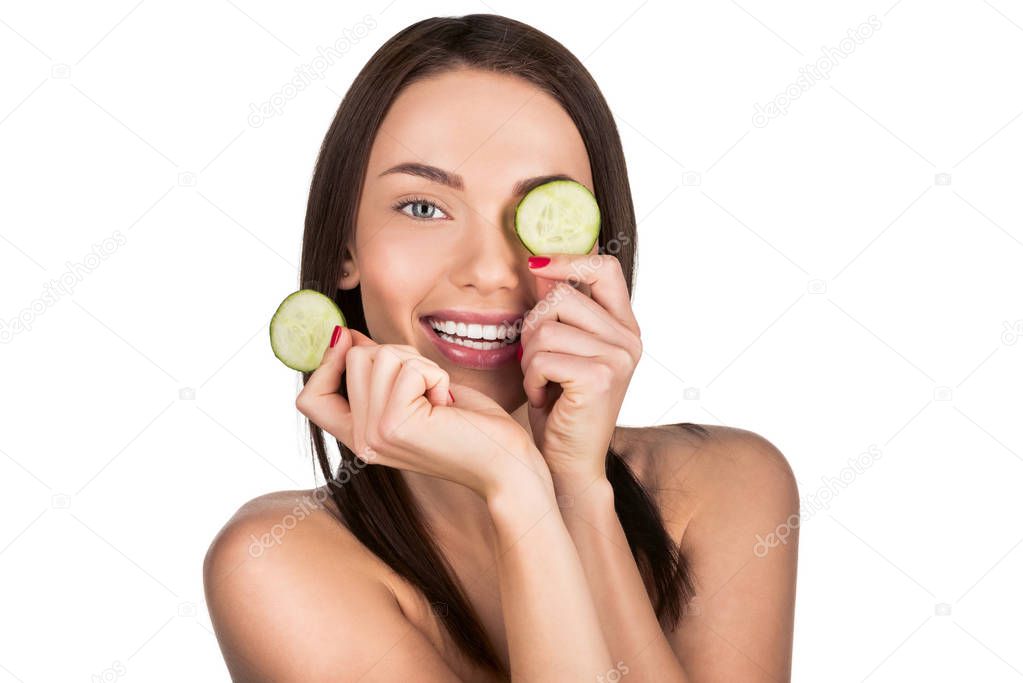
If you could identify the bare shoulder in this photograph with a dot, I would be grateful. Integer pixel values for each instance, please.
(267, 522)
(731, 500)
(713, 473)
(293, 595)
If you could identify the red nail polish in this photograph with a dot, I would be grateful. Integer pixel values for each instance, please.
(451, 395)
(335, 335)
(519, 352)
(538, 261)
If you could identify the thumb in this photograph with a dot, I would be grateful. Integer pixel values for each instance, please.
(326, 379)
(319, 399)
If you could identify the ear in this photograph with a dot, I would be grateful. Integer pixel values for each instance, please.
(350, 266)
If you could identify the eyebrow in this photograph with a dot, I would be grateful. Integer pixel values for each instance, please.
(455, 182)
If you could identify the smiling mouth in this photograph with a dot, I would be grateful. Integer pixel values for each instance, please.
(476, 335)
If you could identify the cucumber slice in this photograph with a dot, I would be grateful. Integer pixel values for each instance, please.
(300, 329)
(558, 217)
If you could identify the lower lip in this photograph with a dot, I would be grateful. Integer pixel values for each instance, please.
(478, 359)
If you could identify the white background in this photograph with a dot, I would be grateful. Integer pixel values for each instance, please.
(814, 280)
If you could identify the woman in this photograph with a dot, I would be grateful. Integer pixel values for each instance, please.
(488, 520)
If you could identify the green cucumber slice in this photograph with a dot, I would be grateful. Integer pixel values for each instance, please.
(301, 327)
(558, 217)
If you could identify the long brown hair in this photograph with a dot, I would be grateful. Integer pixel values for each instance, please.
(375, 504)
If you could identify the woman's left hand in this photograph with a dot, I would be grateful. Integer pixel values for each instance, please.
(588, 342)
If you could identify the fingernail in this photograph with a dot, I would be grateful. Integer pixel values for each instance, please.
(451, 395)
(519, 352)
(538, 261)
(335, 335)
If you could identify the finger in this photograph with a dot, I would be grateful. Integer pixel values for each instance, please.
(326, 379)
(415, 380)
(562, 338)
(437, 396)
(387, 363)
(568, 305)
(319, 400)
(359, 364)
(551, 367)
(604, 276)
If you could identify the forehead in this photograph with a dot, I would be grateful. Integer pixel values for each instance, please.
(492, 129)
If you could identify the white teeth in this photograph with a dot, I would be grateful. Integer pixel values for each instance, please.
(481, 345)
(476, 330)
(476, 333)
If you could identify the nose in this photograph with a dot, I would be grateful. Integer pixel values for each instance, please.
(490, 254)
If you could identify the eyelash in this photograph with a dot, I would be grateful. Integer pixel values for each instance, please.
(398, 206)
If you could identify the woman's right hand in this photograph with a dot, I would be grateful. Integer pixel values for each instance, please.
(399, 414)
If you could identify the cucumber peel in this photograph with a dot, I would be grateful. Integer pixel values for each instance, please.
(558, 217)
(301, 327)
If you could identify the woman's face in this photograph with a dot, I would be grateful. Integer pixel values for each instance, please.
(437, 241)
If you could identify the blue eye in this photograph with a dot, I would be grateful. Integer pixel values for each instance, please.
(422, 209)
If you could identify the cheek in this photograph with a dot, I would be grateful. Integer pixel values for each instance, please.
(395, 276)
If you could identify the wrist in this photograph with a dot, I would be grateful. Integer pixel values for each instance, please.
(515, 512)
(573, 472)
(583, 492)
(574, 483)
(524, 476)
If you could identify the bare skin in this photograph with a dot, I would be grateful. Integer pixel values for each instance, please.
(696, 484)
(317, 605)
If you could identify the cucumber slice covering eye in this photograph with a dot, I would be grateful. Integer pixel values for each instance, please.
(300, 329)
(558, 217)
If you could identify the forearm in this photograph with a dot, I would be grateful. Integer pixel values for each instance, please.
(551, 622)
(626, 615)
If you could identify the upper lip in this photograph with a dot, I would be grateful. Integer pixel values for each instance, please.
(478, 317)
